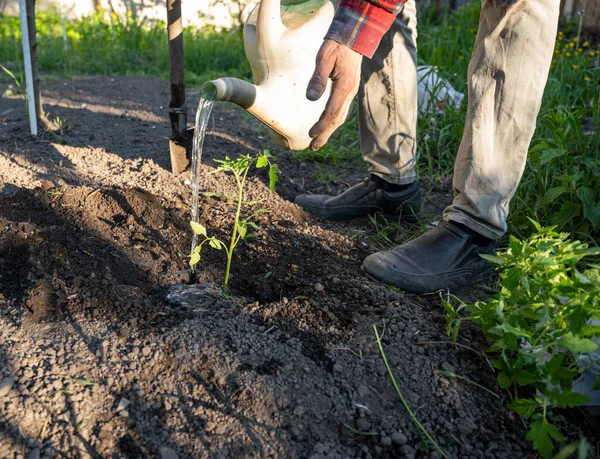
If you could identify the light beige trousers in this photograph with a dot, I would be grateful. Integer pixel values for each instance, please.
(506, 79)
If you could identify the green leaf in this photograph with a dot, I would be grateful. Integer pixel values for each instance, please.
(493, 258)
(541, 441)
(571, 399)
(551, 195)
(523, 406)
(262, 161)
(525, 378)
(555, 363)
(597, 383)
(581, 278)
(194, 259)
(242, 229)
(273, 177)
(199, 229)
(568, 211)
(215, 244)
(591, 209)
(548, 155)
(577, 345)
(567, 451)
(554, 433)
(590, 331)
(504, 380)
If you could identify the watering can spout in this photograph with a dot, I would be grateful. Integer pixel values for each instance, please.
(234, 90)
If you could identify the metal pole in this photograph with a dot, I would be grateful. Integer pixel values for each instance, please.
(28, 68)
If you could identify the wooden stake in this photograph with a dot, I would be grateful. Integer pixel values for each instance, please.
(32, 29)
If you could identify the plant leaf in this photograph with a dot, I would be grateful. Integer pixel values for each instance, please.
(524, 378)
(566, 452)
(571, 399)
(597, 383)
(262, 161)
(523, 406)
(215, 244)
(199, 229)
(242, 229)
(554, 433)
(493, 258)
(541, 441)
(568, 211)
(577, 345)
(273, 177)
(504, 381)
(551, 195)
(194, 259)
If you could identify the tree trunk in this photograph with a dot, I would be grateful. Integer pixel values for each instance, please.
(30, 8)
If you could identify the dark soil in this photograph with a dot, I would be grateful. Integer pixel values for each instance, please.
(105, 351)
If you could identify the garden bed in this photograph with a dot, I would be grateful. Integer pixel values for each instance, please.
(99, 359)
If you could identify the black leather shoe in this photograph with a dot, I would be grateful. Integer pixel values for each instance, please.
(445, 257)
(370, 196)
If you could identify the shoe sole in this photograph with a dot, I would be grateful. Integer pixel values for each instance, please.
(453, 285)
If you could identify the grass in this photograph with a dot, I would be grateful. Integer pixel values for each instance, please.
(561, 183)
(412, 415)
(97, 45)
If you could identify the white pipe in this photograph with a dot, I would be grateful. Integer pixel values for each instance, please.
(28, 70)
(568, 9)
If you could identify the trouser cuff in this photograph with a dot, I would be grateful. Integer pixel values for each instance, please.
(404, 180)
(486, 231)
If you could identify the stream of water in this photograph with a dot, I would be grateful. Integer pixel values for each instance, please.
(202, 115)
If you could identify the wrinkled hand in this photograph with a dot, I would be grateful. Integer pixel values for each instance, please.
(342, 65)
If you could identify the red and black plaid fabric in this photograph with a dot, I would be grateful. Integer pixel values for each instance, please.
(360, 24)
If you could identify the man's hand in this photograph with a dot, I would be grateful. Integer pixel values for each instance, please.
(342, 65)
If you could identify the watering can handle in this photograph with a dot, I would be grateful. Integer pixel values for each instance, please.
(269, 27)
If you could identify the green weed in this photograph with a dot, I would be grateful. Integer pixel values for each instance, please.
(538, 325)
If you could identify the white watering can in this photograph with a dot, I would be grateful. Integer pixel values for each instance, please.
(281, 40)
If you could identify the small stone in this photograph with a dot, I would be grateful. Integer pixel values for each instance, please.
(124, 403)
(47, 185)
(319, 287)
(146, 351)
(337, 367)
(399, 439)
(6, 386)
(363, 391)
(180, 353)
(446, 366)
(35, 454)
(386, 441)
(167, 453)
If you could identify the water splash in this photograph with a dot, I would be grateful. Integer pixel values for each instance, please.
(202, 115)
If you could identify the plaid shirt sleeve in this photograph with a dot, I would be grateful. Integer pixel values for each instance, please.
(360, 24)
